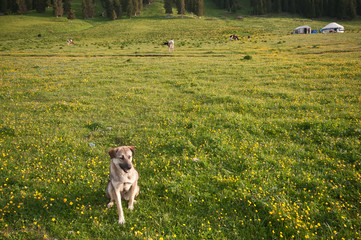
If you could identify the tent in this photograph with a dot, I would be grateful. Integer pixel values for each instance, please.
(333, 28)
(302, 29)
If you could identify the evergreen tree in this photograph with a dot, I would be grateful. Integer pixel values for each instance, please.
(200, 8)
(109, 8)
(48, 3)
(131, 8)
(277, 6)
(117, 8)
(227, 5)
(29, 4)
(285, 5)
(189, 5)
(21, 6)
(84, 9)
(135, 6)
(351, 9)
(341, 9)
(90, 9)
(181, 7)
(358, 4)
(168, 6)
(12, 6)
(261, 7)
(140, 6)
(124, 4)
(311, 9)
(319, 8)
(40, 6)
(292, 6)
(103, 3)
(4, 6)
(234, 5)
(331, 8)
(114, 15)
(268, 6)
(58, 9)
(71, 14)
(67, 6)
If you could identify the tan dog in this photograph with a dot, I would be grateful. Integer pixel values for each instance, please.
(123, 179)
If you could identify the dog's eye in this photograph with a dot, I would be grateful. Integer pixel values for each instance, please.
(122, 157)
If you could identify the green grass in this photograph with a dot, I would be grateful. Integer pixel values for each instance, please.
(226, 148)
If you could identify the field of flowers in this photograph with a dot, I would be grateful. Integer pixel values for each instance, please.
(226, 148)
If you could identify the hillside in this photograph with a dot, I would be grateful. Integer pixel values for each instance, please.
(251, 139)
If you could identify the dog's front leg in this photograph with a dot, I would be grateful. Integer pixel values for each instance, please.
(118, 200)
(110, 192)
(133, 192)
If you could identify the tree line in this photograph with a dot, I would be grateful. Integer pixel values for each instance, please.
(229, 5)
(114, 9)
(183, 6)
(117, 8)
(60, 7)
(342, 9)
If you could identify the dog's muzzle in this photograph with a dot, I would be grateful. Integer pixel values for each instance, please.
(125, 167)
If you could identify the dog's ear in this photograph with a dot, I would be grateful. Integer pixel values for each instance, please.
(132, 149)
(113, 152)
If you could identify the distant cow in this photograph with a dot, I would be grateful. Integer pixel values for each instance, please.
(233, 37)
(170, 45)
(69, 42)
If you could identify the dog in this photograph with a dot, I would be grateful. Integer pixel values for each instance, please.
(170, 45)
(123, 179)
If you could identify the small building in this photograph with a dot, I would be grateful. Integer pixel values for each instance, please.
(302, 30)
(333, 28)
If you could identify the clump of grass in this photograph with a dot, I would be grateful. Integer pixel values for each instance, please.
(94, 126)
(247, 57)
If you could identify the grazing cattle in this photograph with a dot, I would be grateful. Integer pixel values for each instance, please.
(233, 37)
(39, 35)
(170, 45)
(69, 42)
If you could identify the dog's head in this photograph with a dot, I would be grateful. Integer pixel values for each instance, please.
(123, 156)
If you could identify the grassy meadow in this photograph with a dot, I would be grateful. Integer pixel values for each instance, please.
(227, 147)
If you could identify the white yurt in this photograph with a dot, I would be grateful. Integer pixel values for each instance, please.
(333, 28)
(303, 29)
